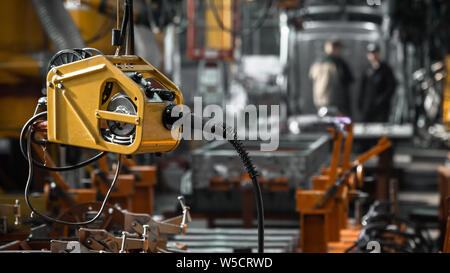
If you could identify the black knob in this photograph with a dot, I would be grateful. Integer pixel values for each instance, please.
(136, 76)
(168, 119)
(149, 91)
(165, 94)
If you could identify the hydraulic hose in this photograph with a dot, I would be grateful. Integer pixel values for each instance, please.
(231, 135)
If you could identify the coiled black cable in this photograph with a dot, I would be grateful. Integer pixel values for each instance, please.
(246, 160)
(231, 135)
(40, 165)
(30, 177)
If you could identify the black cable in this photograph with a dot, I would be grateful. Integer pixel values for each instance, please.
(239, 147)
(253, 174)
(389, 218)
(259, 23)
(376, 232)
(40, 165)
(123, 28)
(129, 49)
(352, 246)
(30, 177)
(91, 49)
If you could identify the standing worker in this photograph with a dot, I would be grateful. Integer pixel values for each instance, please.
(332, 78)
(377, 88)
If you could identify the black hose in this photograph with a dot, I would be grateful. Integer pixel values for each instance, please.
(227, 133)
(37, 163)
(246, 160)
(51, 219)
(129, 49)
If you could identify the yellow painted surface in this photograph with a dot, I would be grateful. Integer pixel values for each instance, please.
(94, 26)
(74, 111)
(21, 36)
(21, 29)
(216, 38)
(14, 112)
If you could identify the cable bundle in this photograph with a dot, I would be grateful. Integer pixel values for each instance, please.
(393, 234)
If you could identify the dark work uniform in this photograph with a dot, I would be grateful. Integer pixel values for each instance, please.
(341, 99)
(377, 88)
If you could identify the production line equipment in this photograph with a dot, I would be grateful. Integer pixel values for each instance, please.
(119, 104)
(324, 208)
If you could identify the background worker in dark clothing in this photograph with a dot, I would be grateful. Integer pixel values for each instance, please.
(332, 78)
(377, 88)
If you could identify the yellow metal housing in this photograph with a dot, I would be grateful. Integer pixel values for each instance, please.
(76, 112)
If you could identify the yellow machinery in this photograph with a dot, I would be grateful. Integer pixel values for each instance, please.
(24, 50)
(210, 30)
(100, 103)
(111, 103)
(116, 103)
(19, 81)
(324, 209)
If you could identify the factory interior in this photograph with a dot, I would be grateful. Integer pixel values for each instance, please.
(224, 126)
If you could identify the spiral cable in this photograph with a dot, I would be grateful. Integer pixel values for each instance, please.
(231, 135)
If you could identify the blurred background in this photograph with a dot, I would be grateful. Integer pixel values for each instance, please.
(240, 52)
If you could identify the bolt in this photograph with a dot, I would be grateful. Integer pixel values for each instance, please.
(60, 86)
(88, 242)
(49, 84)
(55, 70)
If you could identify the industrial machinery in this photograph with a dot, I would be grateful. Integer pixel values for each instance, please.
(139, 233)
(116, 231)
(6, 211)
(393, 234)
(324, 208)
(112, 103)
(218, 182)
